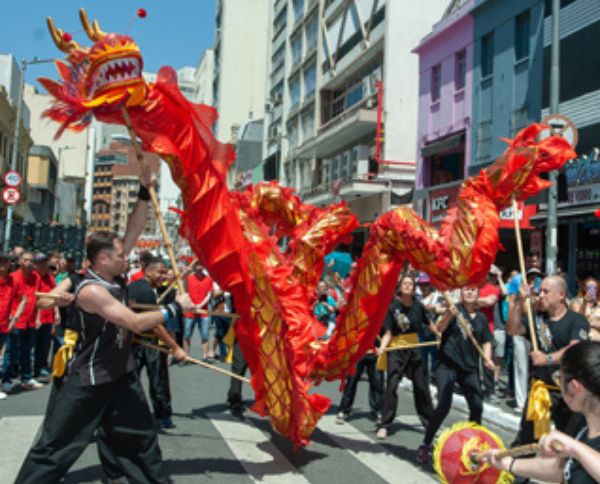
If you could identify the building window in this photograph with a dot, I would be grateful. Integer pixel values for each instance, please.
(487, 55)
(308, 125)
(460, 73)
(310, 76)
(436, 82)
(298, 10)
(484, 141)
(312, 29)
(296, 46)
(294, 87)
(522, 36)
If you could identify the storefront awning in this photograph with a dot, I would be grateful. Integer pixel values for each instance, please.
(567, 212)
(442, 145)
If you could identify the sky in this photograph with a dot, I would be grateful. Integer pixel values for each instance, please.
(174, 32)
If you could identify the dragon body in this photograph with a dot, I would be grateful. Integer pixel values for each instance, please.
(235, 234)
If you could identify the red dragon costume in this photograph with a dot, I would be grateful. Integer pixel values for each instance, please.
(235, 234)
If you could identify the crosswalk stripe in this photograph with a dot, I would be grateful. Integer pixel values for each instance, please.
(373, 455)
(17, 433)
(255, 451)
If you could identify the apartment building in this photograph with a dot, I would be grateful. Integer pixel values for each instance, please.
(342, 99)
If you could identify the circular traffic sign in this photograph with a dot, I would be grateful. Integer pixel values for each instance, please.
(560, 125)
(11, 195)
(12, 178)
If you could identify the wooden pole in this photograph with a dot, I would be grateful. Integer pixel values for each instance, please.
(465, 325)
(156, 307)
(520, 451)
(193, 360)
(174, 283)
(533, 338)
(153, 199)
(423, 344)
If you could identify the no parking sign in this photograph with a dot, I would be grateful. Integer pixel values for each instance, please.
(11, 196)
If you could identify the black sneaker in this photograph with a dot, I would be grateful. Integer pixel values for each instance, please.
(424, 454)
(237, 411)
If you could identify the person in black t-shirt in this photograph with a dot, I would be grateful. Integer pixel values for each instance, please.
(556, 328)
(145, 291)
(100, 390)
(578, 460)
(402, 322)
(458, 361)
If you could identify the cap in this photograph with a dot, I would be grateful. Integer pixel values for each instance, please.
(423, 278)
(40, 257)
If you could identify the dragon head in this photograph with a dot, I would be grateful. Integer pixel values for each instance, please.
(97, 78)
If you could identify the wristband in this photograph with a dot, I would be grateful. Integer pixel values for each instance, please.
(166, 314)
(143, 194)
(173, 309)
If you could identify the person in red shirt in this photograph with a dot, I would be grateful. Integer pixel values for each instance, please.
(489, 295)
(46, 318)
(7, 299)
(22, 329)
(199, 286)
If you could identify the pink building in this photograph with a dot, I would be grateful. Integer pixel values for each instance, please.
(445, 92)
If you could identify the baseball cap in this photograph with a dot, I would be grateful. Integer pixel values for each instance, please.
(40, 257)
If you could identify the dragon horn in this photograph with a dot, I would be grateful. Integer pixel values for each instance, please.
(59, 40)
(93, 31)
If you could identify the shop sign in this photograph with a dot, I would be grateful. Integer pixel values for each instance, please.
(440, 201)
(583, 181)
(525, 214)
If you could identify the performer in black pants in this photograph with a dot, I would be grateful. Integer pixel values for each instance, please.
(556, 328)
(100, 387)
(234, 395)
(458, 362)
(402, 322)
(369, 363)
(145, 291)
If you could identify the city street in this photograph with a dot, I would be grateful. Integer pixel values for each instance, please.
(210, 445)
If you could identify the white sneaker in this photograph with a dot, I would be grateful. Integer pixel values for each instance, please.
(3, 395)
(32, 384)
(7, 387)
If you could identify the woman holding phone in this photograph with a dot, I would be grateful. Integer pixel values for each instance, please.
(563, 458)
(587, 303)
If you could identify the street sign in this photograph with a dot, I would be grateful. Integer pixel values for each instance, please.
(12, 179)
(562, 126)
(11, 196)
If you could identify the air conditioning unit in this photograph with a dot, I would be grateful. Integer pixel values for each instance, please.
(277, 98)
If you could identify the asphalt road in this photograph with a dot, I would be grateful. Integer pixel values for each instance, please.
(210, 445)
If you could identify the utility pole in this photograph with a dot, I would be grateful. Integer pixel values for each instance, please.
(552, 225)
(14, 155)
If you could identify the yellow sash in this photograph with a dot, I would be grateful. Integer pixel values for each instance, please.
(538, 407)
(64, 354)
(396, 342)
(229, 340)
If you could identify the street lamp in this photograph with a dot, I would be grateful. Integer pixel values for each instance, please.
(15, 148)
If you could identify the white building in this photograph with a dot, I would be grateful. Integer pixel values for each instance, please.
(204, 76)
(240, 63)
(71, 151)
(322, 120)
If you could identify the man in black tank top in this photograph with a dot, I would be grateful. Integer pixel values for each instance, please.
(100, 389)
